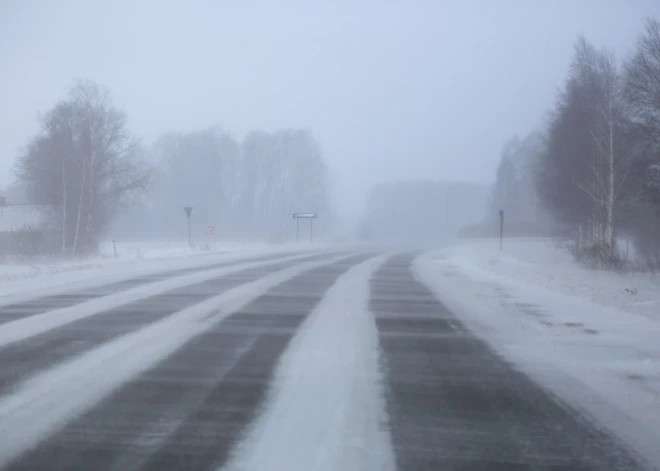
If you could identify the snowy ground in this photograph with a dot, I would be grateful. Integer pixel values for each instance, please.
(592, 337)
(543, 262)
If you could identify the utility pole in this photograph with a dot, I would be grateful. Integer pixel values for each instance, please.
(447, 212)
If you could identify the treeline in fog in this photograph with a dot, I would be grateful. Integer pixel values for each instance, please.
(422, 212)
(594, 167)
(90, 177)
(243, 189)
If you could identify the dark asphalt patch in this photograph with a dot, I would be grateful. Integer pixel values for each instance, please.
(454, 404)
(188, 412)
(12, 312)
(22, 359)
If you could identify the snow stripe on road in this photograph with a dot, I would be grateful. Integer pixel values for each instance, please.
(22, 329)
(23, 359)
(64, 299)
(325, 408)
(49, 400)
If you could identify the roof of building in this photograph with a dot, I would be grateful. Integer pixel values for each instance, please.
(14, 218)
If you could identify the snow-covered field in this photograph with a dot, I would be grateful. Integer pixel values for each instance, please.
(591, 337)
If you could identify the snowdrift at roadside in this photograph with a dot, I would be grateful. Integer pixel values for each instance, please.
(590, 337)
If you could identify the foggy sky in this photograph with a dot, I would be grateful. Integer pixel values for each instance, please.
(392, 89)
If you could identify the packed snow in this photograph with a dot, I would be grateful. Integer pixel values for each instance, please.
(26, 327)
(43, 403)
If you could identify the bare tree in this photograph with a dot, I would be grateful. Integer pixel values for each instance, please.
(83, 165)
(609, 164)
(589, 154)
(514, 190)
(283, 172)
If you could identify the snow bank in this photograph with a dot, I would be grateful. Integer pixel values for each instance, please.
(326, 407)
(551, 319)
(544, 263)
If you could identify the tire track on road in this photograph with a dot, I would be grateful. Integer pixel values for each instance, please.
(42, 304)
(454, 404)
(20, 360)
(188, 411)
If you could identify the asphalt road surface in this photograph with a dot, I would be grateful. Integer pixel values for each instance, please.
(173, 382)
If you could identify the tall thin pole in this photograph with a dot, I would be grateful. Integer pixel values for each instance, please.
(447, 215)
(501, 227)
(188, 211)
(311, 230)
(297, 230)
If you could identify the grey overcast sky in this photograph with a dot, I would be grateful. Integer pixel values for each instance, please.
(402, 89)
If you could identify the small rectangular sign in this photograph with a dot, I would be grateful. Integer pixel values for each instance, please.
(304, 215)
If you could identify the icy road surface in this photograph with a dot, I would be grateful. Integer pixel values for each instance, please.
(333, 360)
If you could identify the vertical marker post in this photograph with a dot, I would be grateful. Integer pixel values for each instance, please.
(501, 227)
(188, 211)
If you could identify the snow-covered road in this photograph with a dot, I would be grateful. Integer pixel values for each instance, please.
(325, 360)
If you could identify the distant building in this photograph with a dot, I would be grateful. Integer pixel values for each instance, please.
(22, 230)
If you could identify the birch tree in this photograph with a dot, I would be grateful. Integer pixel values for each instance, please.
(609, 165)
(82, 166)
(588, 156)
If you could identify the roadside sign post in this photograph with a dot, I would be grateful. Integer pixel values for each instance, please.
(501, 227)
(188, 211)
(311, 217)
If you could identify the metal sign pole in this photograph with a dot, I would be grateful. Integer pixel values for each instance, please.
(188, 211)
(311, 217)
(501, 227)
